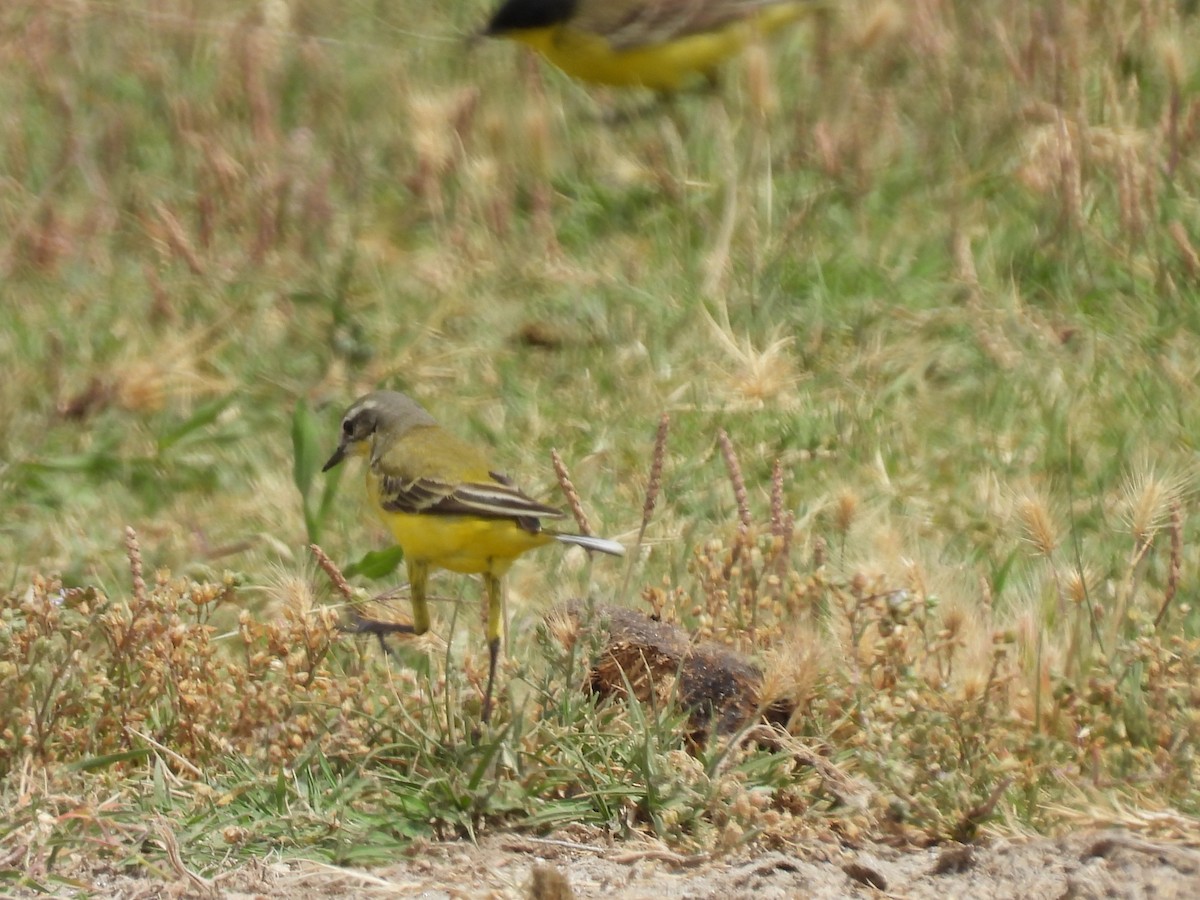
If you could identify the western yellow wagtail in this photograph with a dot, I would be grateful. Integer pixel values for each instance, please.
(657, 44)
(446, 506)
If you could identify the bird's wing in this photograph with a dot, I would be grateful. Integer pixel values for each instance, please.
(626, 24)
(494, 499)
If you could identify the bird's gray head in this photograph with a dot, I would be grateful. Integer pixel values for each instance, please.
(377, 413)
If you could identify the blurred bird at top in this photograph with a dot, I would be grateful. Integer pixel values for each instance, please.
(658, 44)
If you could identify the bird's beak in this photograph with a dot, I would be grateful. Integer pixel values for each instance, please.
(338, 455)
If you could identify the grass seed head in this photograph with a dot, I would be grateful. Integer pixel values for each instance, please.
(1148, 499)
(845, 510)
(1037, 524)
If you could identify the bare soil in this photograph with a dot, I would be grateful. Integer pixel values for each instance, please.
(1108, 864)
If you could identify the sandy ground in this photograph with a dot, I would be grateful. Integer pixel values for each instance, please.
(1109, 864)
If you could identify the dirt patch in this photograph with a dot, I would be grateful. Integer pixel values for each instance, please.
(1109, 864)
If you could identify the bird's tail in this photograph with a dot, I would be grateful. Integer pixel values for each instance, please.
(588, 542)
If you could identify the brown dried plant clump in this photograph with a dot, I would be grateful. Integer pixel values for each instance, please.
(86, 674)
(722, 690)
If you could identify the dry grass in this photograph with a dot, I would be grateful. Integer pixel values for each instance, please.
(916, 291)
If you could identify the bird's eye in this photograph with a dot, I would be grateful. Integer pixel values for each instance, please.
(347, 427)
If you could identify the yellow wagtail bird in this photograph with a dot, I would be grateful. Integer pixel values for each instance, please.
(445, 505)
(657, 44)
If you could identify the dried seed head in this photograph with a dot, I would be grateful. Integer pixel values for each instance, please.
(654, 483)
(568, 488)
(562, 627)
(1076, 587)
(845, 510)
(735, 477)
(791, 670)
(955, 619)
(133, 550)
(1038, 524)
(1149, 497)
(973, 683)
(292, 592)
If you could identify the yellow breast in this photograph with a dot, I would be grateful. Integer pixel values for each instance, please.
(467, 544)
(663, 67)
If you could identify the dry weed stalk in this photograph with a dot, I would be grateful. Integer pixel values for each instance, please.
(1176, 565)
(134, 551)
(751, 593)
(1172, 60)
(1131, 188)
(329, 567)
(654, 482)
(572, 495)
(734, 468)
(1187, 250)
(740, 563)
(653, 486)
(783, 523)
(777, 514)
(176, 238)
(1150, 500)
(163, 828)
(258, 59)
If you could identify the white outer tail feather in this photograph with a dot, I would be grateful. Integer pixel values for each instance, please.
(591, 543)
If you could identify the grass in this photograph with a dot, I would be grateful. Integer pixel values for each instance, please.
(937, 264)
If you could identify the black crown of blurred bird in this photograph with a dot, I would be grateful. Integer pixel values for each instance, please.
(657, 44)
(446, 506)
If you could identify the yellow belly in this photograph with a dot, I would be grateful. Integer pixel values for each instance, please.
(461, 543)
(661, 67)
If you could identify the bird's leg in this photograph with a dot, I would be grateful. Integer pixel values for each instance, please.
(418, 575)
(381, 630)
(495, 629)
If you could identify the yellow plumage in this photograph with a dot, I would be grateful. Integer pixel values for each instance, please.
(467, 544)
(461, 544)
(657, 44)
(445, 506)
